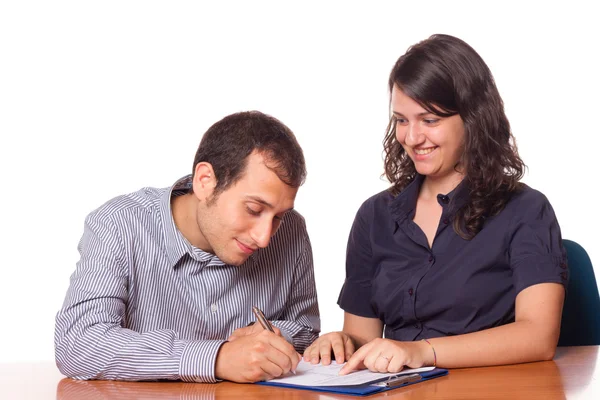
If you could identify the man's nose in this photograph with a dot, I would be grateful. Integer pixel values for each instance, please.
(261, 233)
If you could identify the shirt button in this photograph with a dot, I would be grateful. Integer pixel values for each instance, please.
(410, 291)
(213, 307)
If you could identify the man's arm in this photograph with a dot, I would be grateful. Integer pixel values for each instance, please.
(253, 353)
(90, 340)
(300, 324)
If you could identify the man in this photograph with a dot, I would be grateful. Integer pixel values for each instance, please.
(166, 275)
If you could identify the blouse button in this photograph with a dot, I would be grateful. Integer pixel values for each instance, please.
(430, 258)
(213, 308)
(563, 275)
(417, 326)
(563, 265)
(446, 221)
(410, 291)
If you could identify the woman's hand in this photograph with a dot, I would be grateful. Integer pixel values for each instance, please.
(338, 342)
(386, 355)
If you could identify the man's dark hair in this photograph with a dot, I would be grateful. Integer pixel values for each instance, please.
(227, 144)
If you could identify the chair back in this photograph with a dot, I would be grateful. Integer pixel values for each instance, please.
(580, 324)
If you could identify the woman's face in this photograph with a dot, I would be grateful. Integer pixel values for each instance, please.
(434, 144)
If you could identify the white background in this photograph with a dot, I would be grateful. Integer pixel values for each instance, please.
(101, 98)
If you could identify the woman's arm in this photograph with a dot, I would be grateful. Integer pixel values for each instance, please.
(362, 330)
(532, 337)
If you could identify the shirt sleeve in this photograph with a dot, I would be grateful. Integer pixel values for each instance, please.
(355, 296)
(536, 251)
(90, 339)
(300, 324)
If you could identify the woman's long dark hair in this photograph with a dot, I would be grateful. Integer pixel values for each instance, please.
(447, 77)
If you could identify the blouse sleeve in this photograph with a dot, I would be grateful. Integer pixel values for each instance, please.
(536, 251)
(355, 296)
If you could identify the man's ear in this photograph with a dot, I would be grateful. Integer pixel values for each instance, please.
(204, 181)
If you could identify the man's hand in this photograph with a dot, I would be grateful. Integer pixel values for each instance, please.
(255, 354)
(249, 330)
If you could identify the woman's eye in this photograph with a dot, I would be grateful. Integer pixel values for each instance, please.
(431, 121)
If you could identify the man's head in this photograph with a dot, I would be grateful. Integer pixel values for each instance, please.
(247, 171)
(228, 143)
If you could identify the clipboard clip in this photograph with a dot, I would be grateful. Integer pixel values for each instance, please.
(395, 381)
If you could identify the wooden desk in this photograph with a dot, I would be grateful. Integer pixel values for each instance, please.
(572, 375)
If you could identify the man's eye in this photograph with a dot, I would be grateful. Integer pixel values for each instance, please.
(252, 212)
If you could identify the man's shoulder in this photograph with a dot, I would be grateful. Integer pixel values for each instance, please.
(293, 226)
(294, 218)
(291, 237)
(145, 200)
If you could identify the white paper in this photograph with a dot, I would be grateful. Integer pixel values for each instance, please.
(308, 374)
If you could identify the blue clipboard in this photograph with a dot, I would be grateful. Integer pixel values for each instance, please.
(381, 385)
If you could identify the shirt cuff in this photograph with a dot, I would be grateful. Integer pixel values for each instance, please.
(198, 361)
(286, 330)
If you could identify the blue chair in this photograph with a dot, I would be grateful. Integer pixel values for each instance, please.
(580, 324)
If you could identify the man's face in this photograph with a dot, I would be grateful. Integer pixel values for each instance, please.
(245, 216)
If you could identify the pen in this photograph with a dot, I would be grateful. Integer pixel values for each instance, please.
(261, 318)
(401, 380)
(264, 322)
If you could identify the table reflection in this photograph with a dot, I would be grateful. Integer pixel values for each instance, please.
(572, 374)
(69, 389)
(542, 381)
(578, 370)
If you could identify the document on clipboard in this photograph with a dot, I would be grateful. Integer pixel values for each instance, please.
(326, 378)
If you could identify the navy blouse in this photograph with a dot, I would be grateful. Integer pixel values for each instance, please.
(457, 286)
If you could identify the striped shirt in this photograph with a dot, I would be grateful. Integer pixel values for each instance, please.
(144, 304)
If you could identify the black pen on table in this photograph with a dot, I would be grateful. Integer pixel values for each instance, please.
(264, 322)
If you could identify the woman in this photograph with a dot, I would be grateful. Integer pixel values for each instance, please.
(458, 263)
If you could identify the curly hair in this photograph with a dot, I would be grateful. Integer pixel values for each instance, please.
(446, 77)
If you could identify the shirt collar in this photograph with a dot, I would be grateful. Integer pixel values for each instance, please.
(176, 244)
(404, 204)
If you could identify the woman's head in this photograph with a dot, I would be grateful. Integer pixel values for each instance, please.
(452, 87)
(434, 144)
